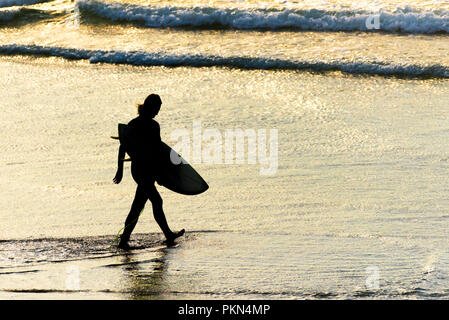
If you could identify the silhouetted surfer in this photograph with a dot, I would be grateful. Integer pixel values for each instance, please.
(144, 150)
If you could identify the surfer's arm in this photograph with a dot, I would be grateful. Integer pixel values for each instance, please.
(121, 157)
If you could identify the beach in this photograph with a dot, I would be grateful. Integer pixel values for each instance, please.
(355, 207)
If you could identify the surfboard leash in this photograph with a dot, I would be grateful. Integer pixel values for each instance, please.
(117, 238)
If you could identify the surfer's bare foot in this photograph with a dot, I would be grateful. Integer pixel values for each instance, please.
(175, 235)
(123, 245)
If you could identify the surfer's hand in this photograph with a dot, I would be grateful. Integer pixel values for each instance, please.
(118, 177)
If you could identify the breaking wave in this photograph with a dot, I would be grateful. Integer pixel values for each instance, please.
(142, 58)
(402, 20)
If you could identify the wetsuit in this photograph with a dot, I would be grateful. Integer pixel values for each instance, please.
(144, 149)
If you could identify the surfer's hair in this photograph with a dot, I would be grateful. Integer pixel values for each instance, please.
(151, 104)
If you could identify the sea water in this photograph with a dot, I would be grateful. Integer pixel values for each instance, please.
(356, 91)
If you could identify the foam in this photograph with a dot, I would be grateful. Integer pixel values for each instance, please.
(142, 58)
(404, 20)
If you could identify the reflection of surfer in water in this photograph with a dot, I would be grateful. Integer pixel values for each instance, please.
(144, 150)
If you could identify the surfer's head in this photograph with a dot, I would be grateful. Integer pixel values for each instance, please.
(150, 107)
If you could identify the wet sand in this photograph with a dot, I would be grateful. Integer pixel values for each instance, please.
(361, 183)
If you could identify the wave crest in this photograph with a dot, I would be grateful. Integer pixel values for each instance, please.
(404, 20)
(142, 58)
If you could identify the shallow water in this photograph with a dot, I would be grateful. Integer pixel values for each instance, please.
(361, 183)
(357, 206)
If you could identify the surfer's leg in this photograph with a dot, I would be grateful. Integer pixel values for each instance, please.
(136, 208)
(158, 213)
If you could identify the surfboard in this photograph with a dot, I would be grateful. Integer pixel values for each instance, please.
(179, 177)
